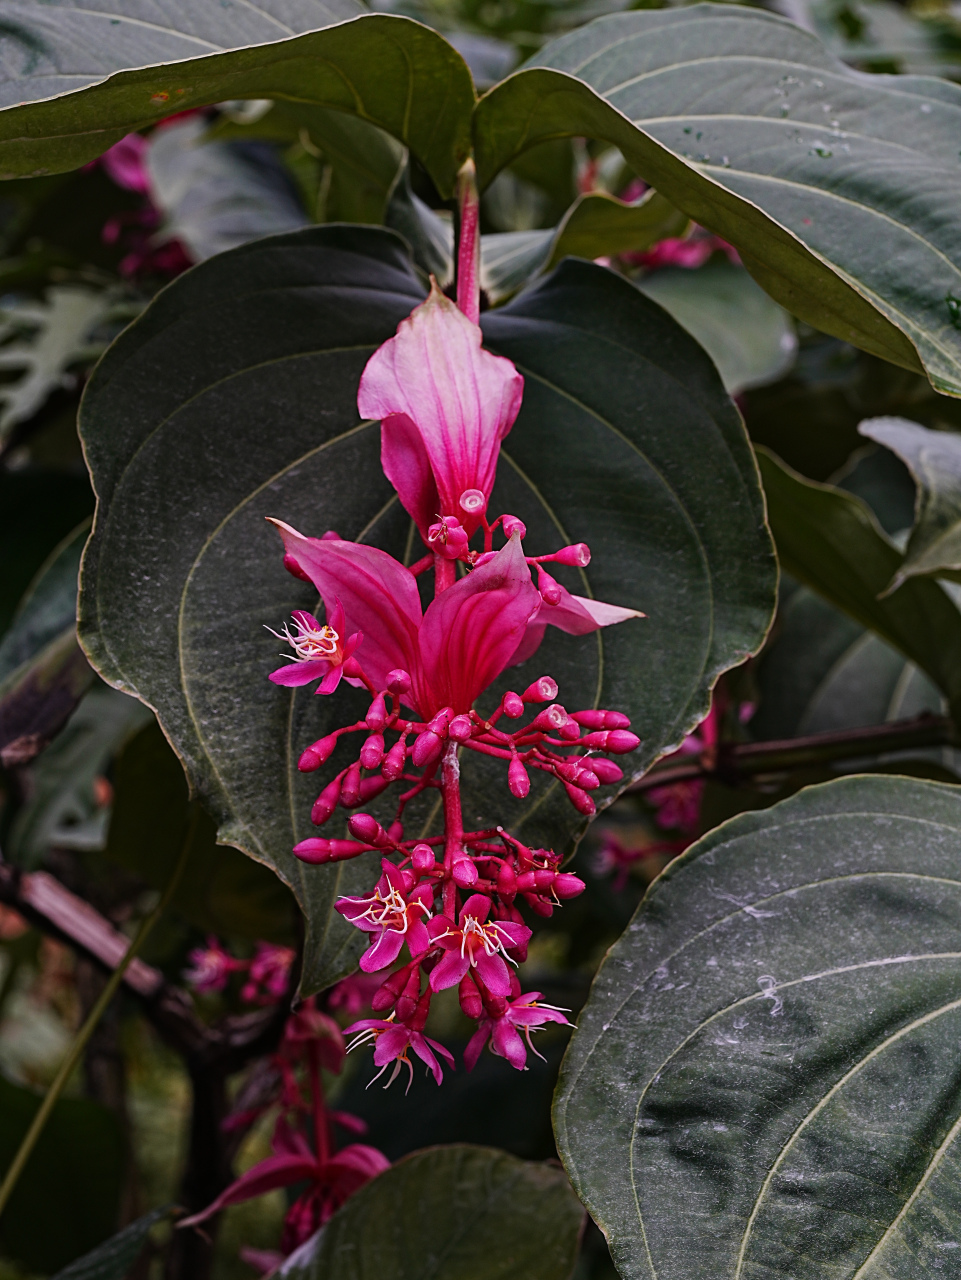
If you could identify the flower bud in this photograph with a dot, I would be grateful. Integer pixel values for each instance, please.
(542, 690)
(506, 881)
(469, 997)
(393, 765)
(577, 554)
(517, 779)
(567, 885)
(570, 730)
(551, 719)
(396, 831)
(315, 755)
(388, 992)
(587, 779)
(460, 728)
(427, 747)
(581, 801)
(513, 705)
(473, 502)
(372, 752)
(365, 827)
(407, 1001)
(353, 670)
(326, 802)
(550, 590)
(398, 682)
(601, 719)
(511, 525)
(606, 770)
(350, 789)
(317, 851)
(422, 859)
(540, 906)
(448, 538)
(377, 714)
(464, 873)
(370, 788)
(617, 741)
(291, 565)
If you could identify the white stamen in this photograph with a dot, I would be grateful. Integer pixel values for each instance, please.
(309, 642)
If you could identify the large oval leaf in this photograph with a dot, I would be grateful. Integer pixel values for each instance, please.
(77, 76)
(839, 189)
(234, 398)
(764, 1081)
(450, 1213)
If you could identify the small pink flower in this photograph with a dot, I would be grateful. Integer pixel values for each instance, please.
(211, 967)
(268, 974)
(392, 1041)
(444, 405)
(476, 944)
(526, 1013)
(354, 993)
(393, 915)
(319, 650)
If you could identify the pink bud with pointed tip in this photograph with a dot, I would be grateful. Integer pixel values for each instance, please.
(587, 780)
(617, 741)
(350, 789)
(396, 831)
(316, 851)
(606, 770)
(393, 766)
(513, 705)
(460, 728)
(567, 885)
(464, 873)
(422, 859)
(315, 755)
(601, 719)
(517, 779)
(376, 716)
(326, 802)
(542, 690)
(370, 789)
(363, 826)
(549, 588)
(581, 801)
(372, 752)
(398, 682)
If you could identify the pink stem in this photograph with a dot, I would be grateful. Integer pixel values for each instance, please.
(468, 242)
(321, 1141)
(453, 824)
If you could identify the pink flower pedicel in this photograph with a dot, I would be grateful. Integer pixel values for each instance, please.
(446, 907)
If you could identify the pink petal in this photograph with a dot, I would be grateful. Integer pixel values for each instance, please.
(475, 1045)
(379, 595)
(383, 952)
(517, 935)
(351, 908)
(407, 466)
(471, 631)
(420, 1046)
(450, 971)
(462, 399)
(331, 680)
(358, 1156)
(577, 615)
(418, 939)
(536, 1017)
(268, 1175)
(509, 1044)
(391, 1045)
(477, 905)
(494, 973)
(293, 674)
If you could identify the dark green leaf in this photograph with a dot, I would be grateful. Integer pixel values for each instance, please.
(220, 890)
(62, 808)
(68, 1196)
(182, 573)
(388, 70)
(750, 338)
(43, 674)
(113, 1259)
(764, 1080)
(837, 188)
(448, 1213)
(830, 540)
(934, 460)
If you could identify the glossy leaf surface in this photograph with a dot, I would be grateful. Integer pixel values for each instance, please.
(764, 1079)
(182, 573)
(838, 188)
(116, 68)
(747, 335)
(830, 540)
(523, 1218)
(113, 1259)
(934, 460)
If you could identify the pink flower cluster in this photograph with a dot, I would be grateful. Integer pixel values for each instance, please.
(304, 1149)
(267, 973)
(453, 900)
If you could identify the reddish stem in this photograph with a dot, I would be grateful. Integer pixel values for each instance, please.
(321, 1137)
(453, 824)
(468, 242)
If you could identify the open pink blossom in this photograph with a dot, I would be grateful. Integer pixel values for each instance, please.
(330, 1182)
(525, 1013)
(319, 650)
(393, 913)
(444, 405)
(210, 967)
(479, 944)
(392, 1041)
(268, 974)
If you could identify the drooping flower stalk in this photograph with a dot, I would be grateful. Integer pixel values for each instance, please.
(451, 900)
